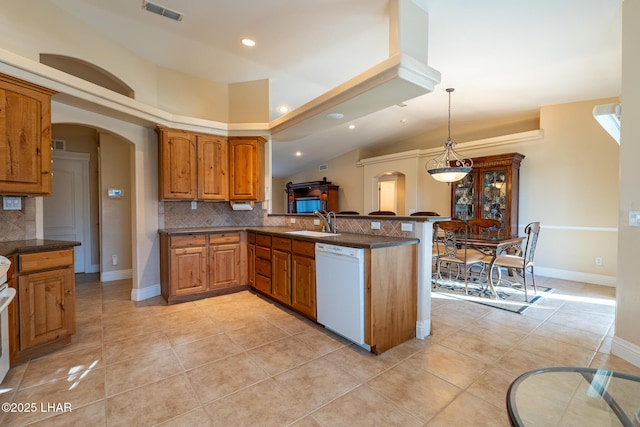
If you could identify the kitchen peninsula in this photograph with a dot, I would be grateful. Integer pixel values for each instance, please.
(272, 261)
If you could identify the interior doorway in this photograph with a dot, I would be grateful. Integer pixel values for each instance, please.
(67, 212)
(391, 192)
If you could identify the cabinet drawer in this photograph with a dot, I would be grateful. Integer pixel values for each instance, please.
(263, 253)
(281, 244)
(263, 267)
(301, 247)
(251, 237)
(224, 238)
(263, 284)
(188, 240)
(45, 260)
(263, 240)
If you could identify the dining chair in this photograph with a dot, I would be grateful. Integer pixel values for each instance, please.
(484, 226)
(481, 225)
(523, 262)
(451, 248)
(382, 213)
(348, 213)
(425, 213)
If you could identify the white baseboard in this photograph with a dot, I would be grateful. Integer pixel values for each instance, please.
(626, 350)
(423, 330)
(108, 276)
(577, 276)
(145, 293)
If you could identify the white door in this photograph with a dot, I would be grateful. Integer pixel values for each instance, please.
(66, 211)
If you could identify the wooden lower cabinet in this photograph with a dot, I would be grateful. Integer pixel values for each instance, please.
(43, 314)
(284, 269)
(188, 270)
(225, 260)
(303, 285)
(281, 269)
(46, 307)
(197, 265)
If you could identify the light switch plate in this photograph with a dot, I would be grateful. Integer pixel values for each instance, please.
(406, 227)
(375, 225)
(634, 218)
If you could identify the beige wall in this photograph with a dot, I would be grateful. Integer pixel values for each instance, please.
(27, 31)
(115, 172)
(344, 172)
(249, 102)
(568, 182)
(626, 342)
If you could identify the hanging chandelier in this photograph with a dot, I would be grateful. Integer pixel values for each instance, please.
(449, 166)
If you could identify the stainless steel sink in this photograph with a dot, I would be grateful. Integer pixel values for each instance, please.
(311, 233)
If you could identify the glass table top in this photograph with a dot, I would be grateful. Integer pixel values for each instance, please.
(574, 396)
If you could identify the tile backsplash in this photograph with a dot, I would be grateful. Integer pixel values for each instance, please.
(207, 214)
(19, 225)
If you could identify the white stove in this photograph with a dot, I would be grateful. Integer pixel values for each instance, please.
(6, 296)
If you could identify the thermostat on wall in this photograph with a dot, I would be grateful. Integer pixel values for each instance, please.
(115, 193)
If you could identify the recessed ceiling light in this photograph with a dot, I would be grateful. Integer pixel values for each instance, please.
(283, 109)
(248, 42)
(298, 153)
(352, 126)
(403, 120)
(335, 116)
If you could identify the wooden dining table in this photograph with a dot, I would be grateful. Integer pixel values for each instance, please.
(492, 244)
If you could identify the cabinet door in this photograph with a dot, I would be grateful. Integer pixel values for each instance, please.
(213, 164)
(251, 260)
(246, 165)
(225, 265)
(303, 285)
(25, 140)
(281, 276)
(464, 197)
(493, 196)
(188, 271)
(47, 308)
(178, 170)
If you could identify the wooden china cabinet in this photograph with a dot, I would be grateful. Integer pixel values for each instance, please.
(490, 190)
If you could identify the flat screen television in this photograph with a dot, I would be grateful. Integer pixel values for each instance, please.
(307, 205)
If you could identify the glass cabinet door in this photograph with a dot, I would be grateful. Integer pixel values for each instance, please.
(493, 202)
(464, 198)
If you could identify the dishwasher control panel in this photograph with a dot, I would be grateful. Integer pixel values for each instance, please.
(339, 250)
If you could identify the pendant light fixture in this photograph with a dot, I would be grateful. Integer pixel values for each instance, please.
(449, 166)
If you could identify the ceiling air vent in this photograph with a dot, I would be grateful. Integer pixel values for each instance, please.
(58, 144)
(161, 10)
(324, 167)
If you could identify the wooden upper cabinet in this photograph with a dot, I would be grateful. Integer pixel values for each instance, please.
(177, 165)
(213, 168)
(192, 166)
(25, 138)
(246, 166)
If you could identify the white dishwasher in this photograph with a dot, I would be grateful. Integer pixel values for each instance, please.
(340, 290)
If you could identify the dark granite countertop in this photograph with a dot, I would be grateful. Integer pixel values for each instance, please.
(342, 239)
(17, 247)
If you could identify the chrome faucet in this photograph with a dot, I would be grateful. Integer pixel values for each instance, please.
(329, 226)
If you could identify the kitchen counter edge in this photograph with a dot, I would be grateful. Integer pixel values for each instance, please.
(353, 240)
(17, 247)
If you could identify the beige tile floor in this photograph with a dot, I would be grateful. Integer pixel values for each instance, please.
(242, 360)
